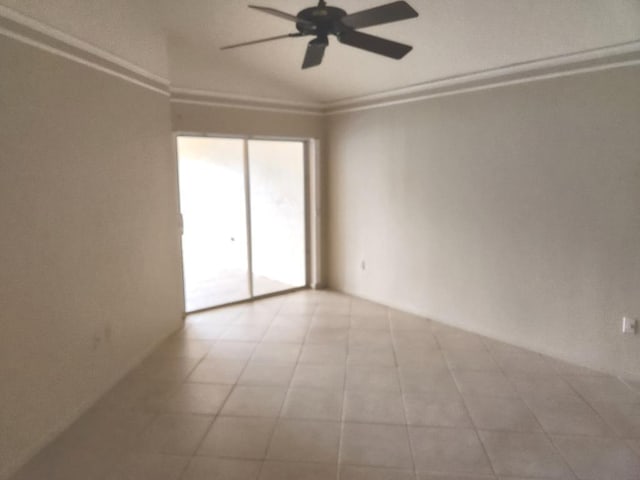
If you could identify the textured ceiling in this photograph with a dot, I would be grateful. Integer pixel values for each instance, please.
(450, 37)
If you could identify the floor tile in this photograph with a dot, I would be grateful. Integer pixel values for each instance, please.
(410, 356)
(405, 321)
(330, 336)
(204, 330)
(257, 314)
(52, 463)
(334, 308)
(376, 323)
(229, 350)
(133, 392)
(501, 413)
(340, 308)
(273, 470)
(427, 379)
(373, 355)
(624, 418)
(105, 430)
(542, 387)
(324, 354)
(238, 437)
(484, 383)
(464, 359)
(349, 472)
(166, 368)
(193, 398)
(566, 368)
(277, 374)
(372, 378)
(414, 339)
(524, 454)
(496, 346)
(218, 371)
(305, 441)
(597, 458)
(370, 338)
(448, 450)
(436, 409)
(244, 333)
(328, 320)
(150, 466)
(276, 352)
(460, 340)
(318, 376)
(375, 445)
(526, 362)
(285, 334)
(222, 316)
(298, 308)
(602, 389)
(568, 416)
(285, 320)
(313, 404)
(177, 434)
(258, 372)
(254, 401)
(373, 407)
(181, 347)
(207, 468)
(365, 307)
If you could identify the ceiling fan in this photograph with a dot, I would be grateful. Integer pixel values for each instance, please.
(322, 21)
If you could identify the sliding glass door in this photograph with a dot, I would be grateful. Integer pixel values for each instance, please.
(243, 208)
(277, 215)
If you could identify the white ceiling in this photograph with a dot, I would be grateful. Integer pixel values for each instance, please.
(450, 37)
(181, 39)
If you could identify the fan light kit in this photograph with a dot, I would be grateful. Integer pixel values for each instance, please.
(322, 21)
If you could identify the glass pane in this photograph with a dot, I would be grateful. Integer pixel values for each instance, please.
(212, 202)
(277, 215)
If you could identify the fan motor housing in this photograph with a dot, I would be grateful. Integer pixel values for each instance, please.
(326, 20)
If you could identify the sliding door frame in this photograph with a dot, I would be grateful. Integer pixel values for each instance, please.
(310, 189)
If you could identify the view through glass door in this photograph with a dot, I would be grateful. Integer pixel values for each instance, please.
(243, 208)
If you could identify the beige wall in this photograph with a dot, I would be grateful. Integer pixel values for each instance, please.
(512, 212)
(89, 255)
(240, 121)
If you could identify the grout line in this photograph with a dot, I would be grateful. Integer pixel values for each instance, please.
(542, 429)
(466, 408)
(344, 398)
(402, 399)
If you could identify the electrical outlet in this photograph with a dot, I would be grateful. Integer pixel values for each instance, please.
(629, 325)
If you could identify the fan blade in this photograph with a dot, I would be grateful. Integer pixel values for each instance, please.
(375, 44)
(391, 12)
(252, 42)
(278, 13)
(315, 52)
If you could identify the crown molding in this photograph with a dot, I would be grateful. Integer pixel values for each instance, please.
(575, 63)
(29, 31)
(593, 60)
(233, 100)
(37, 34)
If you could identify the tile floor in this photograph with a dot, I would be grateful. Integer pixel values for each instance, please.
(322, 386)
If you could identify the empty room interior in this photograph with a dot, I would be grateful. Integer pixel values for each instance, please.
(297, 240)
